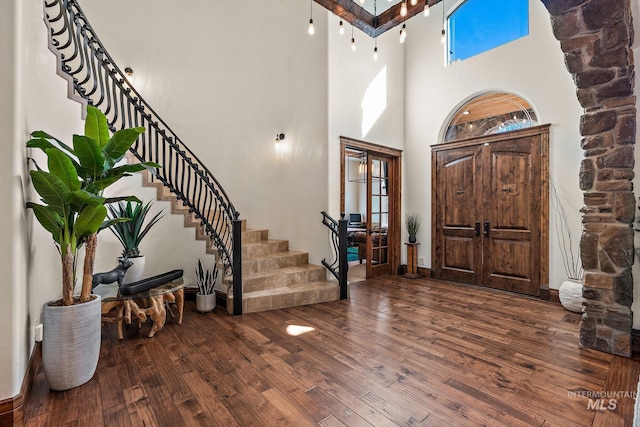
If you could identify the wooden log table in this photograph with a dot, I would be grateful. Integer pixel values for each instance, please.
(152, 303)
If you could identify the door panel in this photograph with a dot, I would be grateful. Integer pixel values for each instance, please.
(513, 215)
(457, 246)
(378, 221)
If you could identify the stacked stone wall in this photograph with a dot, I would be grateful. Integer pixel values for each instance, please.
(596, 38)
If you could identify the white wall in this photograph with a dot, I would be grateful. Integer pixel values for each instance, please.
(32, 97)
(13, 302)
(354, 92)
(531, 67)
(227, 77)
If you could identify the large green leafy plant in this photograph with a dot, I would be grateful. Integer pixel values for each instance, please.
(73, 208)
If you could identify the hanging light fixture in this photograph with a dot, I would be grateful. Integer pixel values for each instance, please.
(375, 40)
(427, 11)
(414, 2)
(312, 30)
(353, 41)
(403, 33)
(341, 28)
(403, 8)
(443, 37)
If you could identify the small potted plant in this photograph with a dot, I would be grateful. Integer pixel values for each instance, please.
(412, 221)
(206, 280)
(73, 210)
(130, 233)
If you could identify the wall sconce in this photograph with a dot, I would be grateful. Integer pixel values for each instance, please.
(128, 71)
(279, 137)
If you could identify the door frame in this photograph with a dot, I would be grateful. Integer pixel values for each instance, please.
(395, 222)
(541, 131)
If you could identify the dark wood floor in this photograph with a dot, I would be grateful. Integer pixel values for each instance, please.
(399, 352)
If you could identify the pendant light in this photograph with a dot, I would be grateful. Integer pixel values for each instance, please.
(375, 40)
(414, 2)
(341, 28)
(353, 41)
(427, 10)
(443, 37)
(311, 30)
(403, 8)
(403, 33)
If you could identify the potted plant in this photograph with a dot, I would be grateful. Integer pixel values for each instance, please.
(73, 211)
(131, 232)
(206, 280)
(412, 221)
(570, 291)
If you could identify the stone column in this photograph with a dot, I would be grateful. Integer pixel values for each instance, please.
(596, 38)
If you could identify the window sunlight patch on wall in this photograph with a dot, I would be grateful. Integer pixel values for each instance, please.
(481, 25)
(374, 101)
(297, 330)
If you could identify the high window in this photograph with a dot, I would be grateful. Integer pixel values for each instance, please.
(477, 26)
(490, 113)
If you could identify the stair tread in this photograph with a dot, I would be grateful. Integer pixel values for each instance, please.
(280, 254)
(284, 270)
(263, 242)
(297, 287)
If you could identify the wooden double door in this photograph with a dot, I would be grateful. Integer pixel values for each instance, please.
(490, 211)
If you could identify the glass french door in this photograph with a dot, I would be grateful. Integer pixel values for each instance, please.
(379, 200)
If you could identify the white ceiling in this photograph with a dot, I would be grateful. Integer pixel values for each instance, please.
(381, 5)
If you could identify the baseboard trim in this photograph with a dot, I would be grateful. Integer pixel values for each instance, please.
(424, 271)
(12, 408)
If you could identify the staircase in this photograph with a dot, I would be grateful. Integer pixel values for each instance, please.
(276, 277)
(263, 274)
(273, 276)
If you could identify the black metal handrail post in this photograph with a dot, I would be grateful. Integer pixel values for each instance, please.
(343, 267)
(237, 267)
(339, 266)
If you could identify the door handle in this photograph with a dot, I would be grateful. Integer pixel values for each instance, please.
(477, 228)
(486, 229)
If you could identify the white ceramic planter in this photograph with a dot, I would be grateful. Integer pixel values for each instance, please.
(570, 293)
(135, 272)
(205, 303)
(71, 343)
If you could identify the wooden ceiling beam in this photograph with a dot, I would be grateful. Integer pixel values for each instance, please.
(370, 24)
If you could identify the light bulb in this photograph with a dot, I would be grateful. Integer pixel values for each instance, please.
(353, 44)
(361, 1)
(311, 29)
(341, 28)
(375, 53)
(403, 33)
(443, 38)
(414, 2)
(427, 10)
(403, 8)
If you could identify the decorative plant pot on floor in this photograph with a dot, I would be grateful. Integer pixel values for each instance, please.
(71, 343)
(570, 294)
(205, 303)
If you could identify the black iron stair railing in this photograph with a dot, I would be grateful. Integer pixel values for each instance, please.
(339, 267)
(96, 79)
